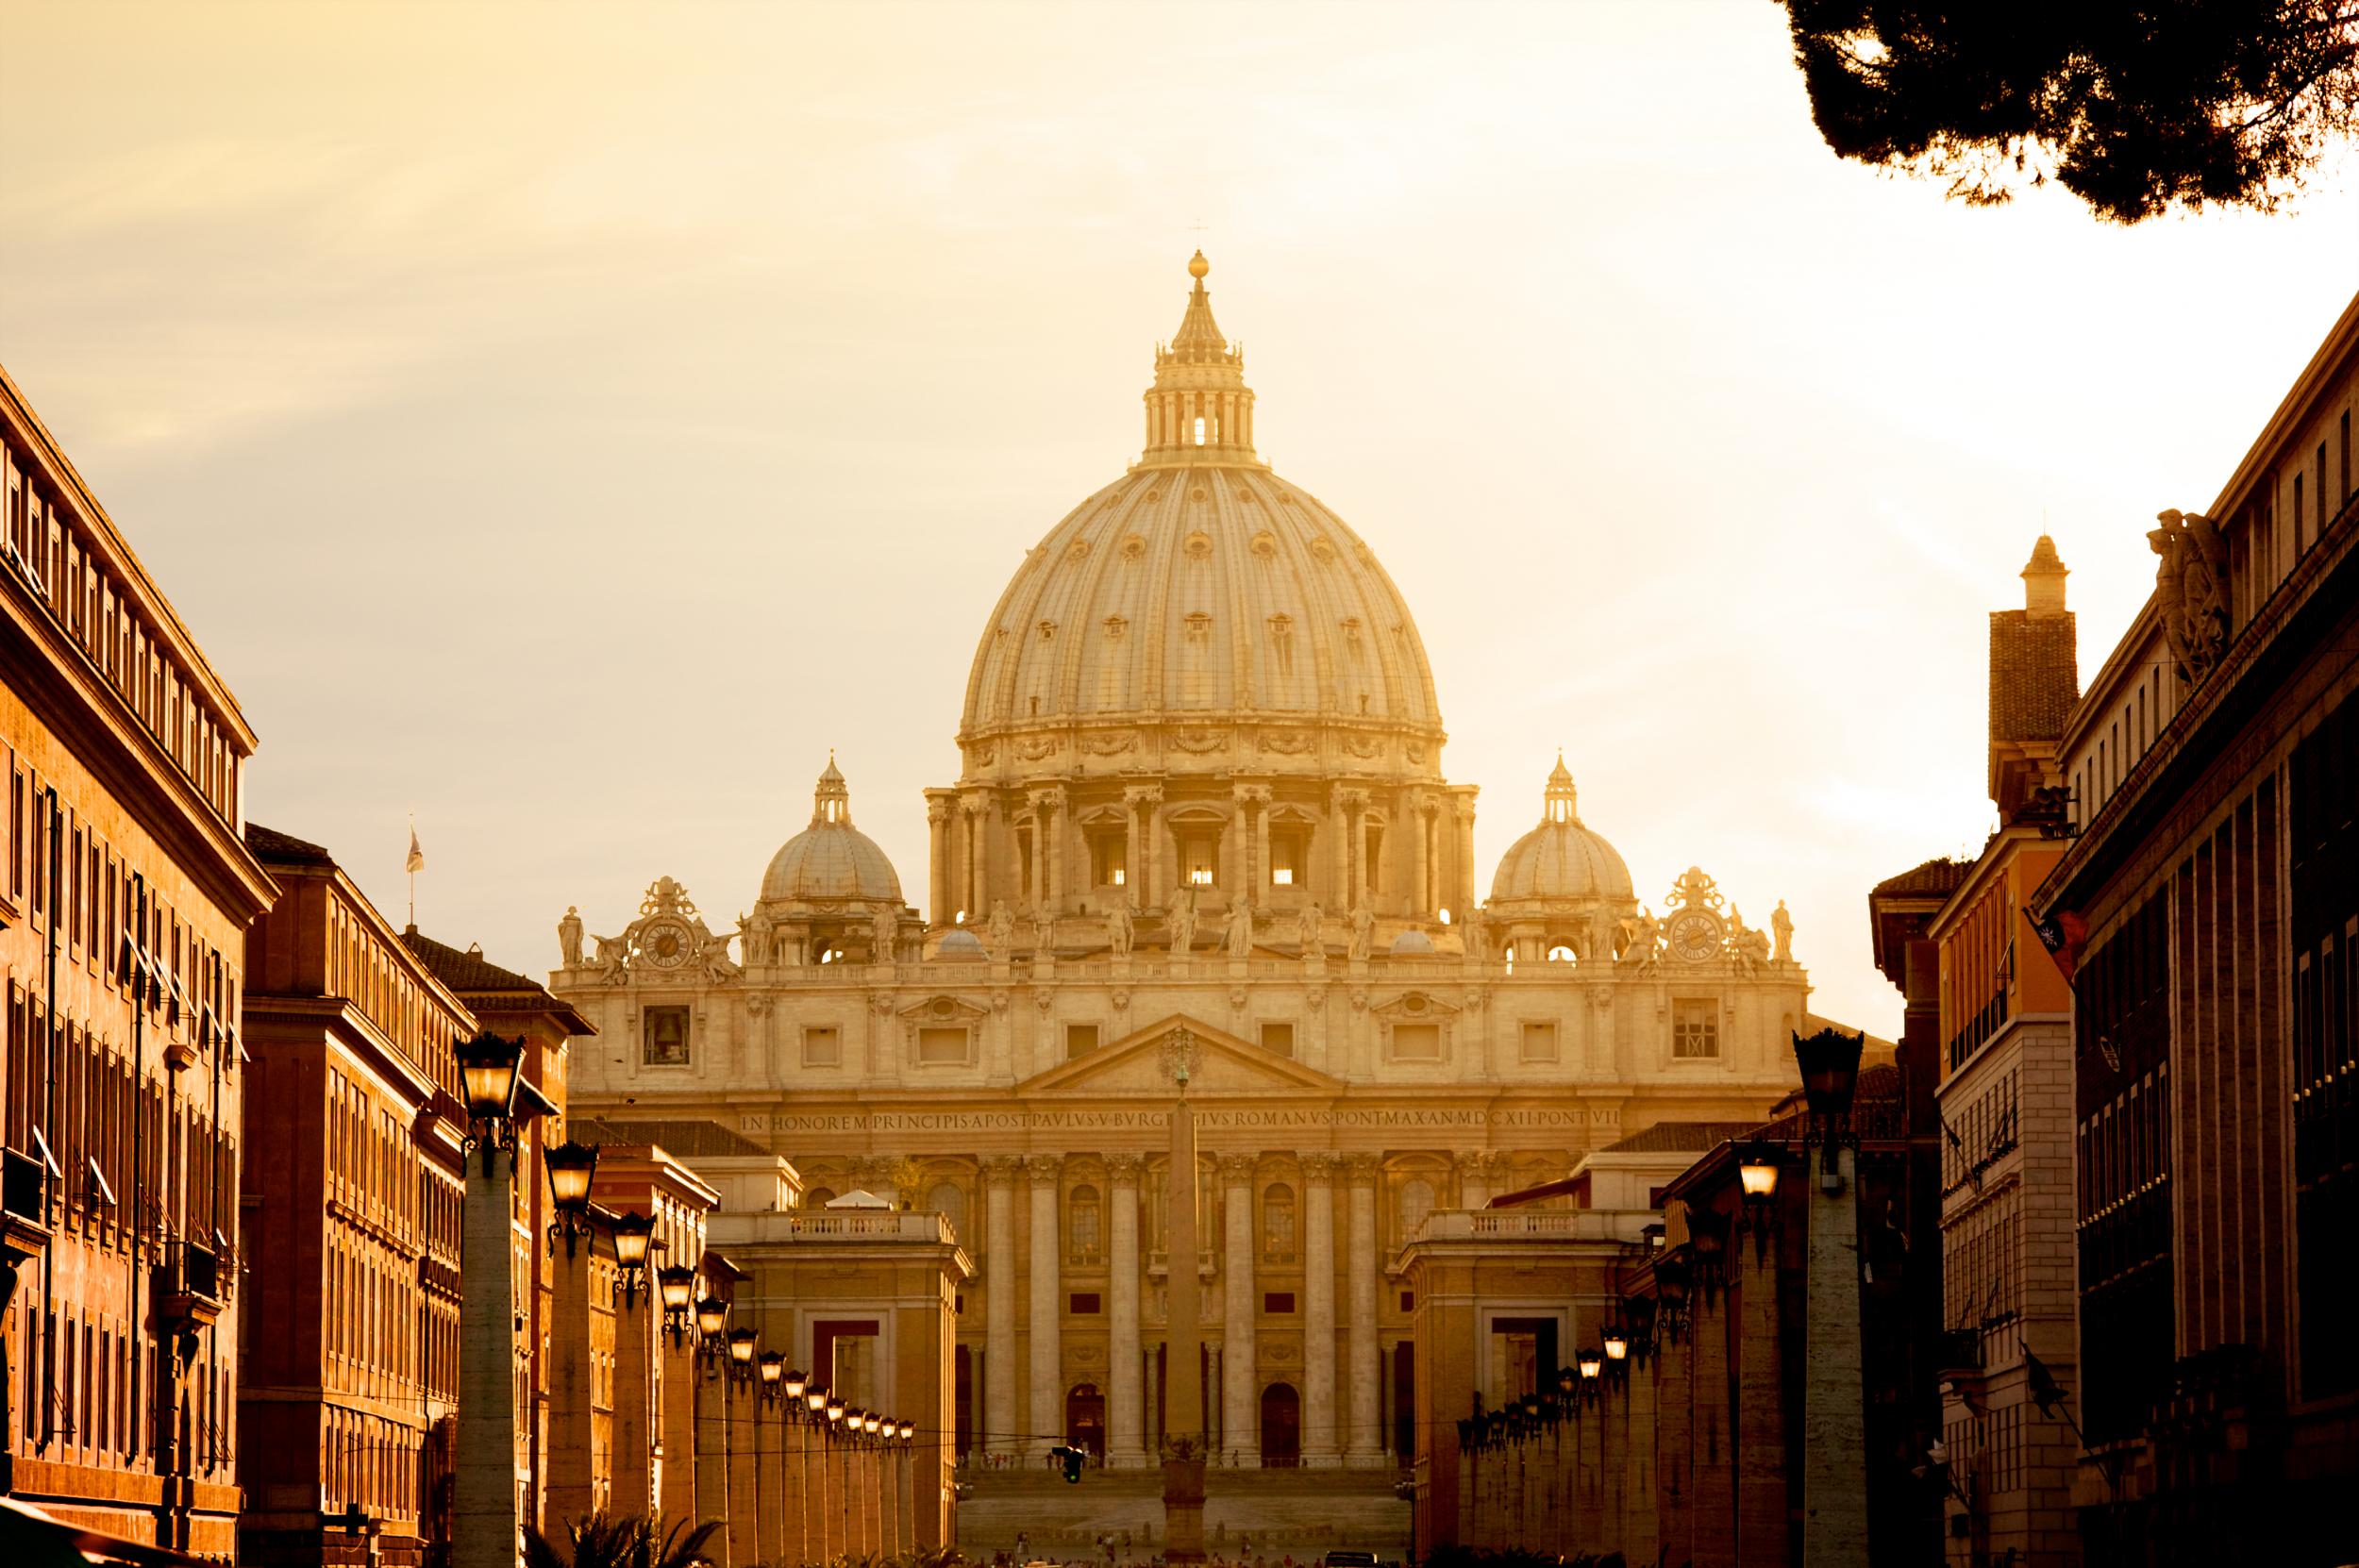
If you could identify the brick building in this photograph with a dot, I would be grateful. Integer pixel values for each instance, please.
(2208, 901)
(124, 893)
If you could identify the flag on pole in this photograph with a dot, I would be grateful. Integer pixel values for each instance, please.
(416, 862)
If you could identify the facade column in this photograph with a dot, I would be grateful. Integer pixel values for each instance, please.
(744, 1517)
(1834, 1430)
(483, 1489)
(769, 1514)
(1474, 1188)
(1421, 817)
(1151, 847)
(938, 906)
(822, 1538)
(712, 1456)
(1463, 809)
(1230, 869)
(1240, 1425)
(1126, 1435)
(794, 1489)
(1339, 897)
(1132, 873)
(1001, 1421)
(1320, 1451)
(1364, 1443)
(971, 824)
(682, 1438)
(1047, 1415)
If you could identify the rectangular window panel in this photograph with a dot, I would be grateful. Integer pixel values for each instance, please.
(1416, 1043)
(942, 1044)
(1540, 1041)
(665, 1034)
(1696, 1029)
(823, 1047)
(1080, 1040)
(1279, 1039)
(1083, 1303)
(1278, 1303)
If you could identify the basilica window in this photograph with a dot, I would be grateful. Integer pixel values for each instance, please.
(1277, 1224)
(823, 1047)
(1373, 860)
(1199, 855)
(1083, 1225)
(1560, 953)
(1416, 1041)
(1108, 857)
(664, 1032)
(1696, 1029)
(1080, 1040)
(1289, 854)
(941, 1045)
(1416, 1202)
(1279, 1039)
(1540, 1041)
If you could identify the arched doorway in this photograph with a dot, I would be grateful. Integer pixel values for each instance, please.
(1281, 1428)
(1085, 1419)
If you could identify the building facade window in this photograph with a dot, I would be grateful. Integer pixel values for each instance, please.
(1277, 1224)
(823, 1047)
(1279, 1039)
(1080, 1040)
(1695, 1028)
(1539, 1042)
(665, 1034)
(1416, 1042)
(1083, 1225)
(939, 1045)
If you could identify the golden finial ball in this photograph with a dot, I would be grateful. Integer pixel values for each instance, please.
(1198, 266)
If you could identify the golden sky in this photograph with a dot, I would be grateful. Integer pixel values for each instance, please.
(569, 421)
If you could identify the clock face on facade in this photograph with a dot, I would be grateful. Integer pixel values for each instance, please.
(1695, 936)
(664, 944)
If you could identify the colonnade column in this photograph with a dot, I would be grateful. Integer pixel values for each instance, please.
(1000, 1422)
(975, 815)
(1141, 800)
(1126, 1446)
(1240, 1425)
(1049, 827)
(1421, 817)
(1364, 1445)
(1047, 1415)
(1319, 1448)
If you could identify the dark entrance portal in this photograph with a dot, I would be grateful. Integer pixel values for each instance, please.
(1281, 1428)
(1085, 1419)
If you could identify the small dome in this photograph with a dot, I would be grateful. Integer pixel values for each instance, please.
(831, 858)
(1412, 943)
(959, 945)
(1561, 857)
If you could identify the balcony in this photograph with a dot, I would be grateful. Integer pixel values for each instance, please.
(188, 1286)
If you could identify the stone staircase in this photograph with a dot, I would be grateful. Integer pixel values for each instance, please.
(1302, 1512)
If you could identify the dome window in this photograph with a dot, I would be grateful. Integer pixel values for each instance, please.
(1199, 429)
(1560, 953)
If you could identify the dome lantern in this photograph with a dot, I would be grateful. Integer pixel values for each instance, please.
(1199, 409)
(831, 802)
(1560, 803)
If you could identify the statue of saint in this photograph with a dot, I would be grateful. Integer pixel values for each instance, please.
(1782, 924)
(1001, 929)
(1307, 923)
(569, 936)
(757, 937)
(1474, 936)
(1740, 940)
(1182, 921)
(1240, 933)
(613, 958)
(1645, 937)
(1362, 933)
(1118, 930)
(888, 939)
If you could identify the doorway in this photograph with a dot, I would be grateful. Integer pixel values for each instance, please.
(1085, 1419)
(1281, 1428)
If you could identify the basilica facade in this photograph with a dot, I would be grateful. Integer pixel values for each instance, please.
(1200, 843)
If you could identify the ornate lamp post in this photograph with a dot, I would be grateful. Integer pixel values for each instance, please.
(1672, 1280)
(712, 1325)
(1616, 1346)
(483, 1493)
(1830, 1066)
(1592, 1363)
(633, 1234)
(1757, 1169)
(676, 1286)
(740, 1352)
(571, 1167)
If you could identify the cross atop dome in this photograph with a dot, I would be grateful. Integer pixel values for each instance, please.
(1199, 409)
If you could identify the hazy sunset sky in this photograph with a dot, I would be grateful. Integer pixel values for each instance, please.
(567, 423)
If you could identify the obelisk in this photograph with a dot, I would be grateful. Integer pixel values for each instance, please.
(1183, 1334)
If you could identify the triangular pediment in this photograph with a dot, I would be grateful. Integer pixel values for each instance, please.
(1141, 1064)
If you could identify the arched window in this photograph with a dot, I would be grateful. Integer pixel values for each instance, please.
(1277, 1224)
(1416, 1202)
(819, 1197)
(1560, 953)
(1082, 1223)
(949, 1201)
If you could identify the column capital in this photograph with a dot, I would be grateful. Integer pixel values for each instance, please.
(937, 809)
(1472, 1163)
(1049, 797)
(1251, 794)
(1123, 1170)
(1236, 1170)
(1135, 795)
(975, 802)
(1350, 798)
(1000, 1170)
(1320, 1167)
(1042, 1168)
(1361, 1169)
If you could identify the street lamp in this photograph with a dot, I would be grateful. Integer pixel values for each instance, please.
(1672, 1281)
(835, 1410)
(1642, 1316)
(1616, 1353)
(1757, 1175)
(1708, 1237)
(571, 1167)
(633, 1234)
(908, 1431)
(676, 1286)
(795, 1383)
(713, 1322)
(871, 1422)
(486, 1071)
(741, 1342)
(1592, 1361)
(773, 1368)
(816, 1404)
(1829, 1061)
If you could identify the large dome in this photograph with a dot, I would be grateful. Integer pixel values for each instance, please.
(1200, 590)
(1560, 859)
(831, 860)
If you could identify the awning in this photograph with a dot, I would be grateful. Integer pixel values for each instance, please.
(31, 1538)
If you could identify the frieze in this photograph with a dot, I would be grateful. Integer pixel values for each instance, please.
(1471, 1118)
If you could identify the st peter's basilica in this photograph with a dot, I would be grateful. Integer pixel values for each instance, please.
(1200, 818)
